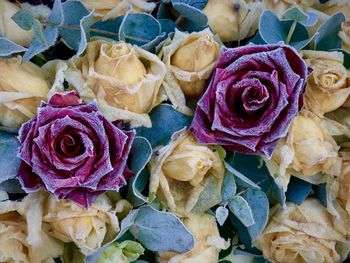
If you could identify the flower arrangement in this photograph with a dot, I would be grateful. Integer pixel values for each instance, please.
(174, 131)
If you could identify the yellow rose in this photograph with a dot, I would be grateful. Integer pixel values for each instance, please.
(208, 242)
(332, 7)
(190, 60)
(180, 173)
(22, 238)
(124, 79)
(308, 152)
(345, 35)
(302, 234)
(328, 85)
(280, 6)
(8, 27)
(109, 9)
(22, 87)
(87, 228)
(233, 20)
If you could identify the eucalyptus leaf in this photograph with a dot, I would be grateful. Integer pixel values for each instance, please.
(199, 4)
(50, 34)
(140, 154)
(190, 12)
(38, 32)
(56, 15)
(107, 29)
(229, 187)
(24, 19)
(241, 209)
(7, 47)
(12, 186)
(165, 121)
(221, 214)
(327, 35)
(161, 231)
(9, 162)
(85, 24)
(70, 31)
(295, 13)
(259, 205)
(298, 190)
(241, 177)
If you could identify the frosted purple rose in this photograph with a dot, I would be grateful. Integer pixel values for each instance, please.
(254, 94)
(72, 151)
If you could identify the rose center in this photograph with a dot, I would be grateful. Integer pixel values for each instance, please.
(70, 145)
(254, 98)
(330, 78)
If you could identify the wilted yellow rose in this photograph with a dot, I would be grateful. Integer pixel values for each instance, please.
(344, 34)
(181, 172)
(233, 20)
(22, 236)
(190, 60)
(8, 27)
(124, 79)
(87, 228)
(22, 87)
(109, 9)
(328, 85)
(302, 234)
(207, 242)
(308, 152)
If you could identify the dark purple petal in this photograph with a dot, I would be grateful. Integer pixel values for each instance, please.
(254, 93)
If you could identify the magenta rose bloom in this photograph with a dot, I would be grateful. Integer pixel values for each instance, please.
(72, 151)
(254, 94)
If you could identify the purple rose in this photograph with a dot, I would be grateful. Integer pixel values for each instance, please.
(73, 151)
(254, 94)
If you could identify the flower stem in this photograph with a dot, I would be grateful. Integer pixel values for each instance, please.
(291, 31)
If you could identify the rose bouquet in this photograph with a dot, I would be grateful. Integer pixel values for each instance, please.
(178, 131)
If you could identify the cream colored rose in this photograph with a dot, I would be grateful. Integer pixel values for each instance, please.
(182, 171)
(308, 152)
(233, 20)
(344, 34)
(22, 236)
(303, 233)
(207, 246)
(87, 228)
(332, 7)
(124, 79)
(22, 88)
(190, 60)
(109, 9)
(280, 6)
(328, 85)
(8, 27)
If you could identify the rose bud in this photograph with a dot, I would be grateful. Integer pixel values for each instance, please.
(304, 233)
(104, 10)
(190, 59)
(22, 87)
(233, 20)
(179, 172)
(125, 252)
(124, 79)
(328, 85)
(89, 228)
(72, 151)
(9, 28)
(23, 236)
(253, 96)
(208, 242)
(314, 149)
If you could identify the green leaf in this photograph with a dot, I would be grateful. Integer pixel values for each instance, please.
(259, 205)
(229, 188)
(327, 35)
(38, 32)
(9, 162)
(221, 214)
(165, 121)
(140, 154)
(24, 19)
(8, 47)
(241, 177)
(241, 209)
(295, 13)
(161, 231)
